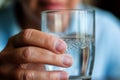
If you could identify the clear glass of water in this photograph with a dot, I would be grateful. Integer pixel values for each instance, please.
(77, 29)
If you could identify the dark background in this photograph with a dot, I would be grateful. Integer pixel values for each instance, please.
(109, 5)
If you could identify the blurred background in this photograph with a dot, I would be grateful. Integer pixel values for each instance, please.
(109, 5)
(5, 3)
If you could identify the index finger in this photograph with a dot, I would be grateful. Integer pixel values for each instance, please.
(37, 38)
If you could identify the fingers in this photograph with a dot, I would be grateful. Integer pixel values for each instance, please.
(37, 38)
(39, 55)
(35, 75)
(32, 66)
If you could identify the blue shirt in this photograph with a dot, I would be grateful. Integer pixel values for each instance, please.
(107, 55)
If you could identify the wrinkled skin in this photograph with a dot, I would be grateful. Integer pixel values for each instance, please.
(26, 53)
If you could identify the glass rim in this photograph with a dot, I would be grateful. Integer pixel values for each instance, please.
(68, 10)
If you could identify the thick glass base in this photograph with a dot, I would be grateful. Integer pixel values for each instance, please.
(80, 78)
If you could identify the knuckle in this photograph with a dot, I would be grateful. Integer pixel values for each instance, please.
(52, 76)
(49, 76)
(50, 41)
(55, 59)
(22, 66)
(27, 53)
(52, 38)
(28, 75)
(26, 34)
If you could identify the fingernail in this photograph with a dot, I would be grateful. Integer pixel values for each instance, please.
(67, 60)
(60, 46)
(64, 76)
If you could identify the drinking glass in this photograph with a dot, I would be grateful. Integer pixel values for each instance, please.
(77, 28)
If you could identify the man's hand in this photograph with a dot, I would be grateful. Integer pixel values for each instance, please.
(26, 54)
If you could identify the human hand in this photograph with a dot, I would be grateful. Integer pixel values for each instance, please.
(26, 54)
